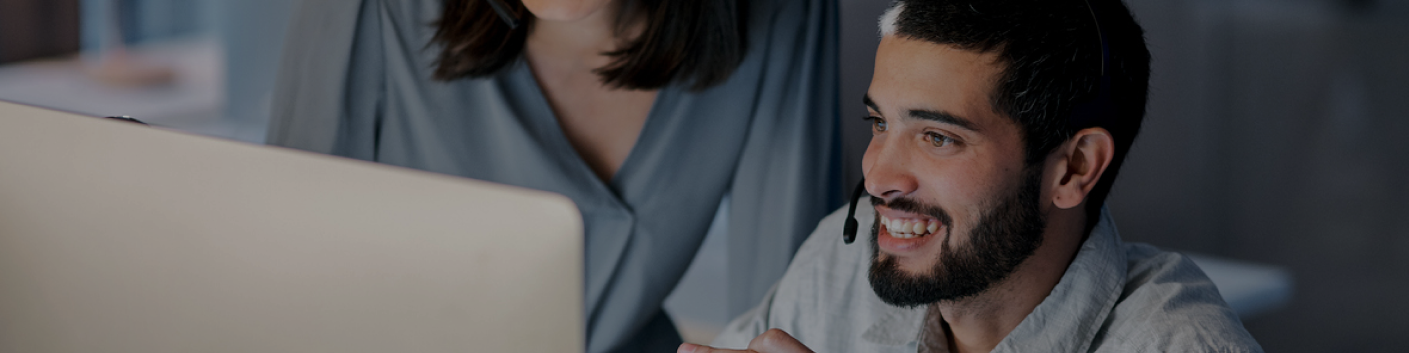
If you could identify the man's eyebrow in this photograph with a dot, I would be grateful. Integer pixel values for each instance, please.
(942, 117)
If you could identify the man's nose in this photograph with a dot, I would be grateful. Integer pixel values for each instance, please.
(888, 175)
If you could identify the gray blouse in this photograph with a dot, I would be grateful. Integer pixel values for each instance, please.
(356, 82)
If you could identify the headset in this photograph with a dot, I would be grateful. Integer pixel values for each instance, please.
(502, 8)
(1089, 113)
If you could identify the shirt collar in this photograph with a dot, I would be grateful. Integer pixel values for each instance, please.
(1066, 321)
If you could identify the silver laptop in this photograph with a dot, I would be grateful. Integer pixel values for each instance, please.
(122, 238)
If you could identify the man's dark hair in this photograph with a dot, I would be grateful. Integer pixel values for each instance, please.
(1052, 61)
(698, 42)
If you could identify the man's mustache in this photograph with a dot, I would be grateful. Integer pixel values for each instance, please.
(916, 207)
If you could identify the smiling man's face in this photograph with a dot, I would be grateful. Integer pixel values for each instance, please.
(957, 209)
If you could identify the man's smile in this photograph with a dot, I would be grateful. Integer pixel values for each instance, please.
(904, 233)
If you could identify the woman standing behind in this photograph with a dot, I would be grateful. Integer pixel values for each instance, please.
(646, 113)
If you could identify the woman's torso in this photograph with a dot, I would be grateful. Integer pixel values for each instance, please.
(645, 223)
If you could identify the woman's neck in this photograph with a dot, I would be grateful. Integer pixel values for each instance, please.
(574, 46)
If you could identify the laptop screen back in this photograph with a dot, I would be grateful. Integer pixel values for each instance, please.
(121, 238)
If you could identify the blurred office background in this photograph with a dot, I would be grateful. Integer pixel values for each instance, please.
(203, 66)
(1274, 144)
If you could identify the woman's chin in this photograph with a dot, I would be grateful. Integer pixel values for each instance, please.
(564, 10)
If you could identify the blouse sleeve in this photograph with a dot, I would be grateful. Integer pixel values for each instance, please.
(788, 176)
(328, 94)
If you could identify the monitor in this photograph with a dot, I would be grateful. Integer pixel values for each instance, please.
(122, 238)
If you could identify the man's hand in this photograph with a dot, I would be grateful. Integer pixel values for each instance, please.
(771, 341)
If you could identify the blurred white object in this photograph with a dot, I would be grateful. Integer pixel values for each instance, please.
(1249, 288)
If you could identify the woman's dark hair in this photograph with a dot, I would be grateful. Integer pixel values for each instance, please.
(1052, 56)
(698, 42)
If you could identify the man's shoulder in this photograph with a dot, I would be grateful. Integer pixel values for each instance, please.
(1169, 304)
(824, 250)
(824, 299)
(826, 272)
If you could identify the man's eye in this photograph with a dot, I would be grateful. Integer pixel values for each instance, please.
(877, 124)
(939, 140)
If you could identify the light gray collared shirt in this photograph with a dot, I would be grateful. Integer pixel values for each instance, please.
(1114, 297)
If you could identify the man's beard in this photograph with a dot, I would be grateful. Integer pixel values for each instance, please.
(1007, 233)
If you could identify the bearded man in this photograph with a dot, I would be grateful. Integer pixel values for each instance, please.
(998, 129)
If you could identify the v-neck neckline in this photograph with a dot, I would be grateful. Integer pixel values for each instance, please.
(544, 114)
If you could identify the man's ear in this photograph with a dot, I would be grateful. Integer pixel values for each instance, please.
(1079, 164)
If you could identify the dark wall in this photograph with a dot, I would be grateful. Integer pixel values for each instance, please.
(1275, 135)
(32, 29)
(859, 38)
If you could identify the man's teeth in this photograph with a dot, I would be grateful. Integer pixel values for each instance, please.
(909, 228)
